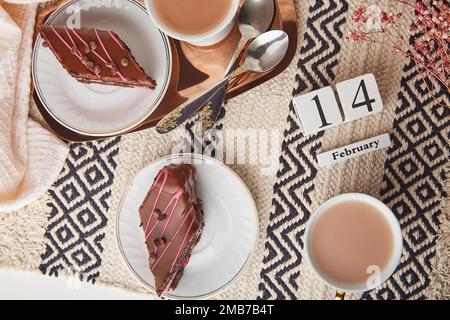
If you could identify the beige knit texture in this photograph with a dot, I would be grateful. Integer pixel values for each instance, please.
(30, 156)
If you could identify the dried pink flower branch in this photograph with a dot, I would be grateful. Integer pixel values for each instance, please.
(427, 43)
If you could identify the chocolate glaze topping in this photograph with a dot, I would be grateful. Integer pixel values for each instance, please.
(95, 56)
(172, 220)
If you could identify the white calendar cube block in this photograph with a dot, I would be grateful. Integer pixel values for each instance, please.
(359, 97)
(318, 110)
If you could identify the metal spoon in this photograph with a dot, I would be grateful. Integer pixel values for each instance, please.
(266, 51)
(263, 54)
(255, 17)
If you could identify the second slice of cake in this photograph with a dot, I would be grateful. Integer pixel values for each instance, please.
(172, 220)
(95, 56)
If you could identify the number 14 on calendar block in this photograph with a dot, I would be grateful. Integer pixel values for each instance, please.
(319, 110)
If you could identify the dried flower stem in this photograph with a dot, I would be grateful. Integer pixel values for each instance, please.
(428, 44)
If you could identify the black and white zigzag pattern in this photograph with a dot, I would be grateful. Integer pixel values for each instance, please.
(413, 180)
(291, 202)
(79, 201)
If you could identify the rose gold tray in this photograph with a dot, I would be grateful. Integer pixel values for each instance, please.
(194, 69)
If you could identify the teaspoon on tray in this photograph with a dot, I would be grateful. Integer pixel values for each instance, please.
(263, 54)
(254, 18)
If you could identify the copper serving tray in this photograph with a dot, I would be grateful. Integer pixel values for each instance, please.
(194, 69)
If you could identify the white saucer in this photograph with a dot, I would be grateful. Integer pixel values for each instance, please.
(228, 240)
(95, 109)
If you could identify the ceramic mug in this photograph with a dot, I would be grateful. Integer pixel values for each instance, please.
(211, 37)
(390, 267)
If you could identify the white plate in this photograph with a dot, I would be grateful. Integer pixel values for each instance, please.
(95, 109)
(228, 239)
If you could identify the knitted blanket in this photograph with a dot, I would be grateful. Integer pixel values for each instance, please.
(30, 156)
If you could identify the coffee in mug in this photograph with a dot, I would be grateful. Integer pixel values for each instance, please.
(199, 22)
(192, 17)
(353, 242)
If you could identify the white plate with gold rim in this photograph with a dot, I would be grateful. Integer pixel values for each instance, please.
(96, 109)
(228, 239)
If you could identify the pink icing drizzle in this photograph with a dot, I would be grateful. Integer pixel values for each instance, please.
(173, 238)
(166, 290)
(86, 44)
(78, 54)
(164, 173)
(60, 37)
(64, 41)
(79, 37)
(176, 197)
(115, 39)
(182, 246)
(107, 54)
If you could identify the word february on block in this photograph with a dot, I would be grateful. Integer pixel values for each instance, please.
(354, 150)
(320, 110)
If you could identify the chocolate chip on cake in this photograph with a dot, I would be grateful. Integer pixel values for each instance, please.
(124, 62)
(97, 69)
(159, 215)
(152, 258)
(90, 65)
(93, 45)
(74, 50)
(160, 242)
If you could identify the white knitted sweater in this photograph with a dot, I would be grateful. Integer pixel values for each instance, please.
(30, 156)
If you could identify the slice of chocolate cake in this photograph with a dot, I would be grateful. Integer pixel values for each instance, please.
(172, 219)
(95, 56)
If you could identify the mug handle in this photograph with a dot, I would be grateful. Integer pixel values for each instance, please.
(339, 295)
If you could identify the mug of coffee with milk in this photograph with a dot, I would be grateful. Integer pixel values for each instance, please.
(353, 242)
(199, 22)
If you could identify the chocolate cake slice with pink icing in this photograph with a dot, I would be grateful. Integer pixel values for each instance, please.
(172, 220)
(95, 56)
